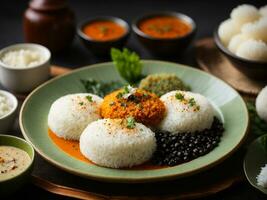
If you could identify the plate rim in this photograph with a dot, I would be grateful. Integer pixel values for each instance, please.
(131, 179)
(263, 190)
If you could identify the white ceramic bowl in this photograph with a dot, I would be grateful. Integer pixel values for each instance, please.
(22, 80)
(8, 120)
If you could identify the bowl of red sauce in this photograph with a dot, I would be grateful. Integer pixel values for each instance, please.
(100, 34)
(165, 33)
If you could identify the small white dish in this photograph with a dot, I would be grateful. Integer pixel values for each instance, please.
(22, 80)
(7, 120)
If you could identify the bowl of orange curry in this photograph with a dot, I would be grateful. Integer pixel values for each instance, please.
(100, 34)
(165, 33)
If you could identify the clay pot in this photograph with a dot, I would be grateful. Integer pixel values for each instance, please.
(50, 23)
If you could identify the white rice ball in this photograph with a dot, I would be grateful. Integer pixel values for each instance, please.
(190, 113)
(245, 13)
(263, 10)
(109, 143)
(256, 30)
(262, 177)
(227, 30)
(261, 104)
(236, 41)
(69, 115)
(253, 50)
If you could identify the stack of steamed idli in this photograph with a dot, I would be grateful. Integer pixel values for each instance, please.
(244, 34)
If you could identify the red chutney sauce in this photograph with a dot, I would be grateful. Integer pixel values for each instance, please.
(104, 30)
(165, 27)
(72, 148)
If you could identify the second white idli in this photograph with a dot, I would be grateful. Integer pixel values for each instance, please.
(110, 143)
(186, 112)
(69, 115)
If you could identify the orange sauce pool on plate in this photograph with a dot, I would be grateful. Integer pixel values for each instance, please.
(104, 30)
(165, 27)
(72, 148)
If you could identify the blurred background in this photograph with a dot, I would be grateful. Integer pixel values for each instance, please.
(206, 13)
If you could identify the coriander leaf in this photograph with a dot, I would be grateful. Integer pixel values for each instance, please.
(179, 96)
(128, 64)
(130, 122)
(89, 98)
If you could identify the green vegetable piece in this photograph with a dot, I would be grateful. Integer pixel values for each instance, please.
(192, 102)
(89, 98)
(179, 96)
(99, 88)
(130, 122)
(128, 64)
(81, 103)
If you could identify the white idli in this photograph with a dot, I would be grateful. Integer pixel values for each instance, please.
(256, 30)
(236, 41)
(261, 104)
(262, 177)
(186, 112)
(70, 114)
(253, 50)
(109, 143)
(227, 30)
(263, 10)
(245, 13)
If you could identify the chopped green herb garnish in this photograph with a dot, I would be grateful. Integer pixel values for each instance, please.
(128, 64)
(119, 95)
(99, 88)
(89, 98)
(161, 29)
(81, 103)
(192, 102)
(103, 29)
(126, 90)
(139, 106)
(112, 103)
(130, 122)
(179, 96)
(123, 104)
(145, 95)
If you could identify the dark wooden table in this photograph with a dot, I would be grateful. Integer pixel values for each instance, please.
(206, 13)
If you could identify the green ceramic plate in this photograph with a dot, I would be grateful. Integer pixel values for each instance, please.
(254, 160)
(230, 108)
